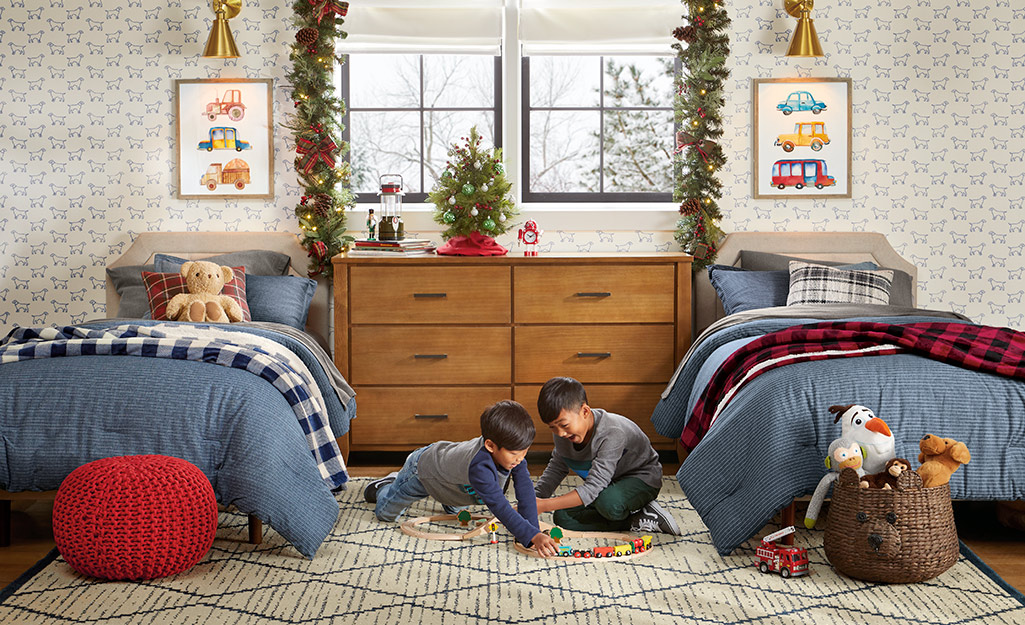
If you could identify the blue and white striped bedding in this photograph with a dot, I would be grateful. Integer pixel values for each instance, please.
(768, 444)
(247, 406)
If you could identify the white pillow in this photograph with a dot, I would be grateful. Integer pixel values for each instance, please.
(818, 284)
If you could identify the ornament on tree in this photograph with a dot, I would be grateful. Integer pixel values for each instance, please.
(452, 200)
(502, 218)
(484, 188)
(489, 224)
(468, 189)
(448, 218)
(474, 212)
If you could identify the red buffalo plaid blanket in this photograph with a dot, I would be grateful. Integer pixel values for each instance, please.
(981, 348)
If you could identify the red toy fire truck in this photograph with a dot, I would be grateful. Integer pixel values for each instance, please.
(788, 561)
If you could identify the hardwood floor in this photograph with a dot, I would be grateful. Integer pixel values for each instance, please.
(1001, 548)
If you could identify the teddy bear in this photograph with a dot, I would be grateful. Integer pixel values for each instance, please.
(887, 478)
(940, 457)
(204, 301)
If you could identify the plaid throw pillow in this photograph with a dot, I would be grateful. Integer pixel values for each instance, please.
(818, 284)
(161, 287)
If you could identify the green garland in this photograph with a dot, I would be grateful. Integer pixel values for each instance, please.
(317, 128)
(698, 103)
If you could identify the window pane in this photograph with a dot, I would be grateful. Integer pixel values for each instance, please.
(564, 151)
(564, 80)
(638, 151)
(638, 81)
(384, 81)
(460, 81)
(444, 128)
(385, 143)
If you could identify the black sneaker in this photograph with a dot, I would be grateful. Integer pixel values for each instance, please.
(653, 518)
(370, 492)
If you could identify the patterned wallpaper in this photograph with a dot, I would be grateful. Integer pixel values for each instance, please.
(87, 141)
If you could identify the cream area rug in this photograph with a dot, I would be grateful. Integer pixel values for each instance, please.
(369, 572)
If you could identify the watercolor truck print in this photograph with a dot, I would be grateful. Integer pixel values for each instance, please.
(224, 138)
(812, 134)
(801, 173)
(800, 101)
(231, 106)
(236, 172)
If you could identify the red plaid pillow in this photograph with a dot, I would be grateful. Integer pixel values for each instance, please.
(161, 287)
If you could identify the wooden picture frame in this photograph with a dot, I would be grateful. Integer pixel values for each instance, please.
(233, 119)
(801, 138)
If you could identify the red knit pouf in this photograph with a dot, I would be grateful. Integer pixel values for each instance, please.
(134, 517)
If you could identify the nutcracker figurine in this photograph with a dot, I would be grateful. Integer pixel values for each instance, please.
(371, 225)
(528, 235)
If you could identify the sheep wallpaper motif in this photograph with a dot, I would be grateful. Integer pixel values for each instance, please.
(87, 142)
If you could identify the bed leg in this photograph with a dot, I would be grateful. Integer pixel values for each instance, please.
(681, 452)
(787, 519)
(5, 522)
(255, 530)
(343, 446)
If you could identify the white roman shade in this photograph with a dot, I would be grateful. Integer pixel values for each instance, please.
(424, 26)
(599, 26)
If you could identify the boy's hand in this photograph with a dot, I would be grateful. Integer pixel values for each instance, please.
(545, 545)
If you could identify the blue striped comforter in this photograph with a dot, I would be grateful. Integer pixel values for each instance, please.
(258, 423)
(767, 445)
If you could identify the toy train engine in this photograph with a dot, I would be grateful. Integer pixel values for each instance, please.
(638, 545)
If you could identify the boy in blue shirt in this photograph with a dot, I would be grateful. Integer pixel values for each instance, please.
(621, 471)
(472, 472)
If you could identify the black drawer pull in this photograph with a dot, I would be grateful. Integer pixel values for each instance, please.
(593, 294)
(430, 416)
(594, 354)
(429, 295)
(431, 356)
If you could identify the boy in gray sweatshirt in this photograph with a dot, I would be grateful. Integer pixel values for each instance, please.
(621, 471)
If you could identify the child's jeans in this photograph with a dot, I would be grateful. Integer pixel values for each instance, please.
(394, 498)
(611, 510)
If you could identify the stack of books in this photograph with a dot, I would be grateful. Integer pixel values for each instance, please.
(405, 247)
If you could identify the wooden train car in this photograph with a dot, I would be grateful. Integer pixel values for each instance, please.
(638, 545)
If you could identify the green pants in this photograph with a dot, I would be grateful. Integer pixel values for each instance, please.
(610, 511)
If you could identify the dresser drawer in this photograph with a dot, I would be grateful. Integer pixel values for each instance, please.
(405, 417)
(395, 355)
(595, 353)
(634, 401)
(594, 294)
(430, 294)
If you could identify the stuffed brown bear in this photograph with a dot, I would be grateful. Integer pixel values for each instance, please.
(887, 478)
(204, 301)
(940, 457)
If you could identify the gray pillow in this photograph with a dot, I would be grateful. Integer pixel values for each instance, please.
(900, 291)
(258, 262)
(128, 284)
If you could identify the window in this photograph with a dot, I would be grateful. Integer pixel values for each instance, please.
(597, 128)
(405, 110)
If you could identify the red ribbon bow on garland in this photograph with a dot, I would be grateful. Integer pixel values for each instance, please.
(315, 152)
(330, 6)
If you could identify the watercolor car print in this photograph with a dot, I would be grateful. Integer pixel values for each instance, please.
(224, 138)
(801, 101)
(811, 134)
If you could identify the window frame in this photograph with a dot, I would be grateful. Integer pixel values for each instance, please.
(606, 197)
(345, 89)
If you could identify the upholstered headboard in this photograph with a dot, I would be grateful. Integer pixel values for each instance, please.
(194, 245)
(846, 247)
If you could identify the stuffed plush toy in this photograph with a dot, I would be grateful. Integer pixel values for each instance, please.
(844, 453)
(887, 479)
(871, 432)
(204, 301)
(940, 457)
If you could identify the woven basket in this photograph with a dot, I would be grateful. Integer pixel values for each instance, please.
(896, 536)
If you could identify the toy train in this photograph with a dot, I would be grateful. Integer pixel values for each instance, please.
(638, 545)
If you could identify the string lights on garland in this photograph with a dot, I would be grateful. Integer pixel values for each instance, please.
(317, 129)
(698, 103)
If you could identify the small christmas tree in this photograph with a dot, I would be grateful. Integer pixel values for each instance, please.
(471, 199)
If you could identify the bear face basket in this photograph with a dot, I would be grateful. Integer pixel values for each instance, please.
(902, 535)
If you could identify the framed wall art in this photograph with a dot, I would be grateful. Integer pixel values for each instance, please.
(802, 137)
(225, 133)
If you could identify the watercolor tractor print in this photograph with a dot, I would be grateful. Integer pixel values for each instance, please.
(231, 106)
(224, 138)
(811, 134)
(800, 101)
(801, 173)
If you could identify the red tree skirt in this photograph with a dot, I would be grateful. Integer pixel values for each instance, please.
(476, 244)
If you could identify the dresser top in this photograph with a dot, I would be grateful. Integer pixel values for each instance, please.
(517, 258)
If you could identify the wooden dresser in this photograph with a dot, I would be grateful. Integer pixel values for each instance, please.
(429, 342)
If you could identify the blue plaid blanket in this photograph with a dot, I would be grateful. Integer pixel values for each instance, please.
(135, 340)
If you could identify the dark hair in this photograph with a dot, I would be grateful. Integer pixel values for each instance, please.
(560, 394)
(508, 425)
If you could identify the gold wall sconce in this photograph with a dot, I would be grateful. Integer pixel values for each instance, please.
(805, 41)
(220, 44)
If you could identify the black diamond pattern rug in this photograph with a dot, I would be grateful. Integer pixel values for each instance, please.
(370, 572)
